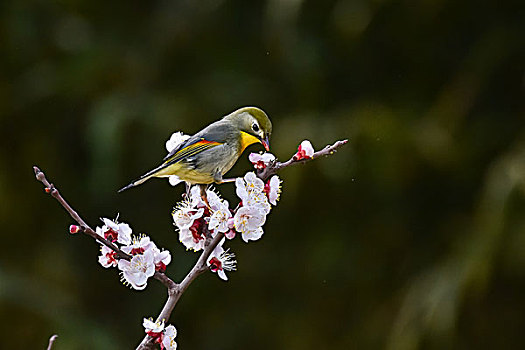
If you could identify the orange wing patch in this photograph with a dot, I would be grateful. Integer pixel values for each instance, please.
(191, 150)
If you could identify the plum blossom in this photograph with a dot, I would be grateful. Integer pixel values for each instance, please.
(176, 139)
(221, 260)
(165, 336)
(115, 232)
(192, 216)
(154, 330)
(220, 216)
(248, 221)
(305, 151)
(174, 180)
(248, 185)
(195, 200)
(161, 259)
(193, 238)
(139, 245)
(169, 342)
(137, 271)
(273, 189)
(214, 200)
(261, 161)
(185, 215)
(250, 190)
(252, 235)
(107, 257)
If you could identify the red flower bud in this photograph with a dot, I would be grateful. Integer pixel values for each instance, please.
(74, 229)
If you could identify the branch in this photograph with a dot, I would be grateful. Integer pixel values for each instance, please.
(273, 168)
(53, 191)
(175, 290)
(85, 228)
(52, 341)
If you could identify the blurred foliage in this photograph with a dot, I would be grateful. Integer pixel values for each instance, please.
(411, 237)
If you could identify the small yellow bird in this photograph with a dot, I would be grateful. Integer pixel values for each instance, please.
(205, 157)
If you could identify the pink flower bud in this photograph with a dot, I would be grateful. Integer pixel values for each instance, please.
(74, 229)
(230, 234)
(261, 161)
(305, 151)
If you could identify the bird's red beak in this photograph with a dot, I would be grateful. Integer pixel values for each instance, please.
(266, 143)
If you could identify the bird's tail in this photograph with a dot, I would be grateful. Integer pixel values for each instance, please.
(143, 178)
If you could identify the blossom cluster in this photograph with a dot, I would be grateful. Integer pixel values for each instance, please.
(201, 216)
(146, 258)
(164, 336)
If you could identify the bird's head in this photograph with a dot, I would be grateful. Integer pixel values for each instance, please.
(254, 125)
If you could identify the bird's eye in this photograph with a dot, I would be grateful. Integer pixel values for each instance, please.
(255, 127)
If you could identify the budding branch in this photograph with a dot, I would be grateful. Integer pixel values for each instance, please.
(175, 290)
(274, 167)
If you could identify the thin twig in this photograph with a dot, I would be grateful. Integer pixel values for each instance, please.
(85, 228)
(52, 341)
(274, 167)
(53, 191)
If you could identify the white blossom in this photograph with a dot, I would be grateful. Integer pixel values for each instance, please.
(192, 240)
(107, 257)
(137, 271)
(139, 245)
(115, 232)
(169, 338)
(152, 327)
(176, 139)
(252, 235)
(248, 185)
(261, 161)
(220, 216)
(221, 260)
(174, 180)
(273, 189)
(214, 200)
(248, 221)
(195, 200)
(186, 215)
(250, 190)
(161, 259)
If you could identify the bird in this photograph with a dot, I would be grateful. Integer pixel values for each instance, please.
(207, 156)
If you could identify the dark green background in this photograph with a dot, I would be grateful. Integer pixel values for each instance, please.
(411, 237)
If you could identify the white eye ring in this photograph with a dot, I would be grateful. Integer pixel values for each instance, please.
(255, 127)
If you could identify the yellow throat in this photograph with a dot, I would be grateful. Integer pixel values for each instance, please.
(247, 139)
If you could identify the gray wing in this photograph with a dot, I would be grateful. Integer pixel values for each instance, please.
(218, 132)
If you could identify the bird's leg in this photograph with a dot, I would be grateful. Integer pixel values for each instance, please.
(217, 176)
(188, 189)
(204, 196)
